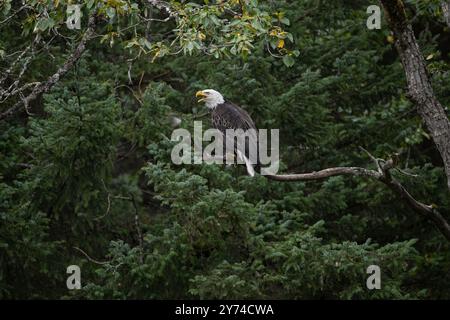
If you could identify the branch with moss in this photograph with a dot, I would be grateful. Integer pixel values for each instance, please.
(45, 86)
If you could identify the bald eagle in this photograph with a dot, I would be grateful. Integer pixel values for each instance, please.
(226, 115)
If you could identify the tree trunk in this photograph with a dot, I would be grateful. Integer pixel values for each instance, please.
(420, 91)
(445, 6)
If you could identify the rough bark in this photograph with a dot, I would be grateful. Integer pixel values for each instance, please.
(420, 91)
(445, 6)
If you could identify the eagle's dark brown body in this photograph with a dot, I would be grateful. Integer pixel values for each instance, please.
(227, 115)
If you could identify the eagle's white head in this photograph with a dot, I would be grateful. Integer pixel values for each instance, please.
(211, 97)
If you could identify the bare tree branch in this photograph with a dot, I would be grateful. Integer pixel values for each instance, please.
(384, 176)
(89, 258)
(26, 86)
(14, 87)
(14, 14)
(45, 86)
(14, 63)
(326, 173)
(420, 91)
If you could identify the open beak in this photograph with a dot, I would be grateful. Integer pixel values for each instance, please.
(200, 94)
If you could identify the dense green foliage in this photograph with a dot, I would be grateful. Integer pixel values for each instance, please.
(89, 169)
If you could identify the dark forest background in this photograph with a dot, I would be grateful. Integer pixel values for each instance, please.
(86, 177)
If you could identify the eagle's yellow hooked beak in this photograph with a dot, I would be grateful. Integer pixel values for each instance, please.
(200, 94)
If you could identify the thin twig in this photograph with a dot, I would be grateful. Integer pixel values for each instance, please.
(91, 259)
(138, 228)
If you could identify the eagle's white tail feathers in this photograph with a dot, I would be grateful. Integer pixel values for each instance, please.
(248, 164)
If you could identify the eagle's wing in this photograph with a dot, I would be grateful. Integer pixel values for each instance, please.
(230, 116)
